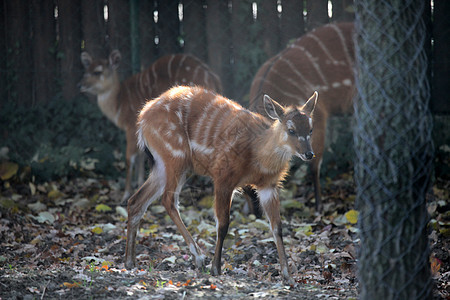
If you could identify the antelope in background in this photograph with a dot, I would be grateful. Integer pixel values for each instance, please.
(193, 129)
(321, 60)
(121, 102)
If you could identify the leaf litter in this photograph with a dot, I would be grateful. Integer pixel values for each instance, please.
(66, 239)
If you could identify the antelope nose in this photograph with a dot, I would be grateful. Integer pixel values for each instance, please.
(309, 155)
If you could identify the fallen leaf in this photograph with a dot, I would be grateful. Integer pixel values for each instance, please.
(206, 202)
(32, 188)
(171, 259)
(104, 267)
(103, 208)
(72, 285)
(37, 206)
(8, 170)
(157, 209)
(55, 194)
(435, 266)
(97, 230)
(260, 224)
(340, 220)
(304, 230)
(89, 163)
(227, 266)
(292, 203)
(96, 260)
(44, 216)
(33, 290)
(122, 211)
(207, 227)
(187, 282)
(352, 216)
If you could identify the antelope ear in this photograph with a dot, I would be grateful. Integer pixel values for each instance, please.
(86, 59)
(310, 104)
(114, 59)
(272, 108)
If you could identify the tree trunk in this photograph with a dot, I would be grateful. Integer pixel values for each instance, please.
(44, 56)
(393, 150)
(69, 18)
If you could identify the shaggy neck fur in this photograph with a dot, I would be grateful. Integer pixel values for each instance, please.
(108, 101)
(273, 153)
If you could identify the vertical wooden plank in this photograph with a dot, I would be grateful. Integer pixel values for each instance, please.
(343, 11)
(218, 45)
(3, 58)
(69, 19)
(194, 28)
(292, 21)
(317, 13)
(134, 36)
(441, 61)
(119, 33)
(241, 21)
(44, 52)
(168, 26)
(19, 61)
(147, 33)
(94, 27)
(268, 18)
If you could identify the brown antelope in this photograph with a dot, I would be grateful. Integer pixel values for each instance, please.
(121, 102)
(321, 60)
(193, 129)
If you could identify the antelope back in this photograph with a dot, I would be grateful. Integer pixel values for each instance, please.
(181, 69)
(195, 128)
(169, 71)
(321, 60)
(121, 102)
(191, 124)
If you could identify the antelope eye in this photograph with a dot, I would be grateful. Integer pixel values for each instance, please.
(310, 132)
(291, 132)
(97, 73)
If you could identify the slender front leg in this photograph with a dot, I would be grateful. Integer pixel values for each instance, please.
(222, 211)
(271, 204)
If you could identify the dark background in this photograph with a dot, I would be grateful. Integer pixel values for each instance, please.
(48, 125)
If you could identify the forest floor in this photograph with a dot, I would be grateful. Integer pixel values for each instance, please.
(66, 240)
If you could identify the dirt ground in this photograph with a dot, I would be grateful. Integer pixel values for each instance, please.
(66, 240)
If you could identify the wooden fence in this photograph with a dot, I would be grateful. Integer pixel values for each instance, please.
(42, 39)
